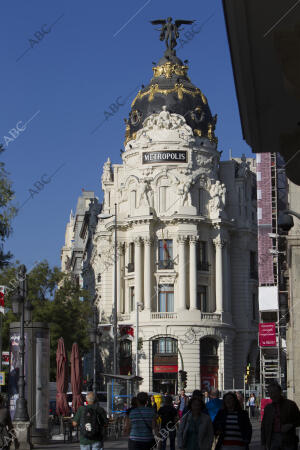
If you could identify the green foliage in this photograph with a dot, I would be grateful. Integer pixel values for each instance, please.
(7, 210)
(58, 301)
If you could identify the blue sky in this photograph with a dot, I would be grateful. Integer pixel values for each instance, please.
(57, 82)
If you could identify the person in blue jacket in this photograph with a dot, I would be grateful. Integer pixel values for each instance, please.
(214, 404)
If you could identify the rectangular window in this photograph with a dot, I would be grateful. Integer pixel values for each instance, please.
(166, 298)
(202, 263)
(253, 265)
(202, 302)
(165, 254)
(131, 299)
(131, 257)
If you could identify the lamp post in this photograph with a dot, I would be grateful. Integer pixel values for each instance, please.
(138, 306)
(23, 307)
(95, 340)
(115, 307)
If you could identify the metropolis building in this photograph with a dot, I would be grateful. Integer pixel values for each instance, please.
(186, 243)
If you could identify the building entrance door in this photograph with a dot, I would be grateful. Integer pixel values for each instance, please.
(165, 386)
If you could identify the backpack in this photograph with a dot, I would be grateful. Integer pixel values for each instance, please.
(91, 427)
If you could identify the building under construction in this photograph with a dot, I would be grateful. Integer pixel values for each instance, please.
(272, 271)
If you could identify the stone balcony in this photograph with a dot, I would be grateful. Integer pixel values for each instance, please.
(164, 315)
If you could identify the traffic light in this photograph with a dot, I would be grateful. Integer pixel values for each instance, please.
(248, 370)
(183, 375)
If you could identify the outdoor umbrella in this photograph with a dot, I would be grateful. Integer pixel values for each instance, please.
(76, 378)
(62, 407)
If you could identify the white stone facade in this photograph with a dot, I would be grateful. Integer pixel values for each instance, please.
(186, 225)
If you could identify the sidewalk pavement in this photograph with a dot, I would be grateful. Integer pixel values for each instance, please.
(108, 445)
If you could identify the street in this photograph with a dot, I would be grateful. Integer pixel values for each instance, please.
(123, 442)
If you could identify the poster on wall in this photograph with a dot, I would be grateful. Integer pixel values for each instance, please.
(42, 378)
(209, 377)
(14, 372)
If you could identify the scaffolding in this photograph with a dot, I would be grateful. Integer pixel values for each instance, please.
(272, 358)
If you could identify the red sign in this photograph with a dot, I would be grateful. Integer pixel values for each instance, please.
(5, 358)
(209, 377)
(264, 402)
(165, 369)
(267, 334)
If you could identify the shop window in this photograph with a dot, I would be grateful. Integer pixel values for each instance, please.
(165, 254)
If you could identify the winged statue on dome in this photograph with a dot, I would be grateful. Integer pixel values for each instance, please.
(169, 31)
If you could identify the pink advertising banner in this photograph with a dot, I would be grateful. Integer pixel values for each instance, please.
(267, 334)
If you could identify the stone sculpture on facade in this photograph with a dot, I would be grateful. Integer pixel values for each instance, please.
(217, 201)
(243, 168)
(145, 193)
(107, 174)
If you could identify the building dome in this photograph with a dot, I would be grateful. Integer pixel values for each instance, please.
(171, 87)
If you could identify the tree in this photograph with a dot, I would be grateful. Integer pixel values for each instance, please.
(58, 301)
(7, 210)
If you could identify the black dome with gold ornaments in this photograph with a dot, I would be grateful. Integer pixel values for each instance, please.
(171, 87)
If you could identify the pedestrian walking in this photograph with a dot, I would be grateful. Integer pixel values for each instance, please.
(196, 393)
(281, 417)
(91, 420)
(132, 406)
(195, 429)
(141, 425)
(232, 426)
(240, 398)
(182, 402)
(7, 435)
(206, 397)
(169, 417)
(152, 403)
(214, 404)
(252, 405)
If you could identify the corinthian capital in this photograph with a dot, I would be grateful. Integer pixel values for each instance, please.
(137, 241)
(219, 243)
(181, 239)
(193, 239)
(148, 241)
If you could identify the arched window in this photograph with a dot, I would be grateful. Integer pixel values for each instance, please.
(165, 345)
(209, 362)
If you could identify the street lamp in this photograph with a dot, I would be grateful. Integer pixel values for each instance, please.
(95, 340)
(115, 308)
(22, 307)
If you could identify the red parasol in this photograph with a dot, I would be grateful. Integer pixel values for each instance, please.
(62, 407)
(76, 378)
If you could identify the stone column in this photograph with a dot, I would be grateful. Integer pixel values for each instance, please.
(125, 284)
(138, 269)
(119, 278)
(193, 272)
(147, 273)
(228, 277)
(181, 240)
(219, 244)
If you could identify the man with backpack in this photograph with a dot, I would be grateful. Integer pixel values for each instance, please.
(91, 420)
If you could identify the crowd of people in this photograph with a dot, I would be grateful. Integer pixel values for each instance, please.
(200, 422)
(207, 422)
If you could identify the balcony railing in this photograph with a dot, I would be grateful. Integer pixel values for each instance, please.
(130, 267)
(165, 264)
(164, 315)
(203, 265)
(211, 316)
